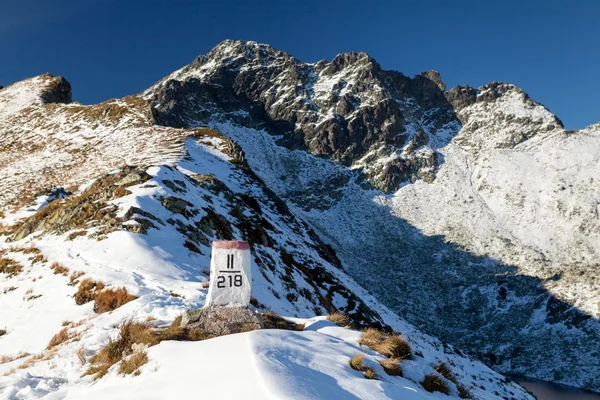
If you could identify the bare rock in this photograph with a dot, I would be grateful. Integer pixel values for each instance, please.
(219, 321)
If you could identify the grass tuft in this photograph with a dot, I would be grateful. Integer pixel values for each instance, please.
(370, 373)
(10, 267)
(391, 366)
(433, 383)
(393, 347)
(111, 299)
(87, 291)
(132, 364)
(339, 319)
(59, 269)
(274, 321)
(371, 336)
(357, 362)
(132, 333)
(59, 338)
(444, 370)
(463, 392)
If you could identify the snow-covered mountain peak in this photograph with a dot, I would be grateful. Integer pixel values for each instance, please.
(348, 109)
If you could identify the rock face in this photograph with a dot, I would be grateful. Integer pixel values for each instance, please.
(349, 109)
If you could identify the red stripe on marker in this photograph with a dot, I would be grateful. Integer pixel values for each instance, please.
(230, 244)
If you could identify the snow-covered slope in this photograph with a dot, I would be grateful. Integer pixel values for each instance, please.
(148, 228)
(487, 230)
(274, 364)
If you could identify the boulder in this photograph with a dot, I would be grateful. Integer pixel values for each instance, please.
(219, 321)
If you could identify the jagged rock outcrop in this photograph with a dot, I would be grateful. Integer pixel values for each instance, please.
(347, 109)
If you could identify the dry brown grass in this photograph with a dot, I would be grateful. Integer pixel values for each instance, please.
(111, 299)
(105, 300)
(59, 338)
(59, 269)
(274, 321)
(76, 234)
(339, 319)
(443, 369)
(27, 250)
(7, 359)
(132, 364)
(121, 192)
(87, 291)
(433, 383)
(391, 366)
(371, 336)
(38, 258)
(463, 392)
(81, 356)
(74, 278)
(391, 346)
(370, 373)
(132, 333)
(10, 267)
(358, 362)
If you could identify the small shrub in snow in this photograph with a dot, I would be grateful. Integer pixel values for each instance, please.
(111, 299)
(433, 383)
(370, 373)
(391, 366)
(339, 319)
(59, 269)
(357, 362)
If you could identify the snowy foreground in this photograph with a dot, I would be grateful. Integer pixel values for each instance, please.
(266, 364)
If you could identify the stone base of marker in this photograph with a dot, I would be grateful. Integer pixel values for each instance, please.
(219, 321)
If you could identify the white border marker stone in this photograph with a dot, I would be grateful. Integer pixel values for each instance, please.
(230, 274)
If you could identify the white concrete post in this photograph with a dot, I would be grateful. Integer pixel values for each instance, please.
(230, 274)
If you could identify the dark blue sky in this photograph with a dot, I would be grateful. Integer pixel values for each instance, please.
(111, 48)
